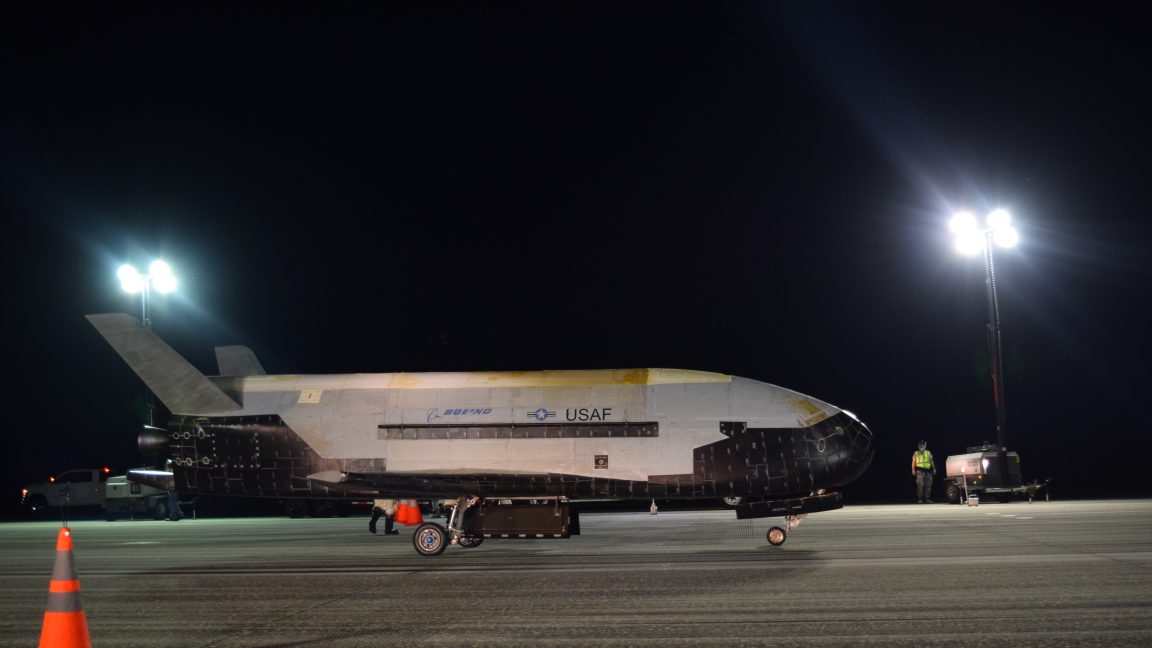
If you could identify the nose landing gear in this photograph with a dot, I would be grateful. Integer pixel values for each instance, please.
(777, 535)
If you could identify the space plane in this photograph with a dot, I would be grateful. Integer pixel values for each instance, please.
(511, 450)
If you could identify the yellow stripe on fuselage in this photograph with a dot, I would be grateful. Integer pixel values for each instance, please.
(483, 379)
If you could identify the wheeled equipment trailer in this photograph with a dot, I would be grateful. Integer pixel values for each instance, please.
(977, 473)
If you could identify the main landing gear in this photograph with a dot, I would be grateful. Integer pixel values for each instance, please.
(472, 519)
(431, 539)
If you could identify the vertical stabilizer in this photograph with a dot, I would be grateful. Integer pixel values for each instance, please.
(238, 361)
(177, 384)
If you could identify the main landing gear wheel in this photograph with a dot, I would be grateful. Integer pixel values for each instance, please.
(469, 542)
(776, 536)
(430, 539)
(732, 501)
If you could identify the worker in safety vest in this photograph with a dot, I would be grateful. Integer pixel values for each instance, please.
(924, 470)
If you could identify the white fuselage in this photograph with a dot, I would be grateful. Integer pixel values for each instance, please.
(398, 418)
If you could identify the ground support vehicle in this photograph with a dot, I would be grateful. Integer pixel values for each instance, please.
(80, 488)
(123, 498)
(977, 474)
(95, 489)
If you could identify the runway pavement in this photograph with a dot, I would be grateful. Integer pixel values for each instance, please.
(1020, 574)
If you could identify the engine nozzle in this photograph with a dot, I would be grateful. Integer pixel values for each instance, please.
(152, 441)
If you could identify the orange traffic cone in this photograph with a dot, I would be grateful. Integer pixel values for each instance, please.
(65, 625)
(402, 512)
(415, 517)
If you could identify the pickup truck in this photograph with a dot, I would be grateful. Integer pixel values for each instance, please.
(82, 487)
(95, 489)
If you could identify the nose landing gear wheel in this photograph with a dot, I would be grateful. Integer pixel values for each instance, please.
(776, 536)
(430, 539)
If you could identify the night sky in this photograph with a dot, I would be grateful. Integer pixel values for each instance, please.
(756, 189)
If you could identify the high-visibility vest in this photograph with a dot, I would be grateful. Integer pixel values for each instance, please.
(922, 459)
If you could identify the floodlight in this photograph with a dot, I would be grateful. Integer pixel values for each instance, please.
(962, 222)
(999, 219)
(130, 280)
(969, 243)
(1006, 236)
(162, 277)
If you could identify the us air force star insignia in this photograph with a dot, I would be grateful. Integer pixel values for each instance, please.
(541, 414)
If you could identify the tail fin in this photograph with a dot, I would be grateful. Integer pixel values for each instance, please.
(177, 384)
(238, 361)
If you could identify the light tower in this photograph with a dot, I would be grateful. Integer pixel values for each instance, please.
(159, 277)
(971, 239)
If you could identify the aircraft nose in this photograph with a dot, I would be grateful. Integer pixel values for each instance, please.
(855, 451)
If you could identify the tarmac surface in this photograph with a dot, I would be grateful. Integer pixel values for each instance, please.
(1019, 574)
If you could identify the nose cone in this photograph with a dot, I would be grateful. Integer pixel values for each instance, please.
(851, 449)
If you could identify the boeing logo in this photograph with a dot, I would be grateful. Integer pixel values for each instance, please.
(434, 413)
(541, 414)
